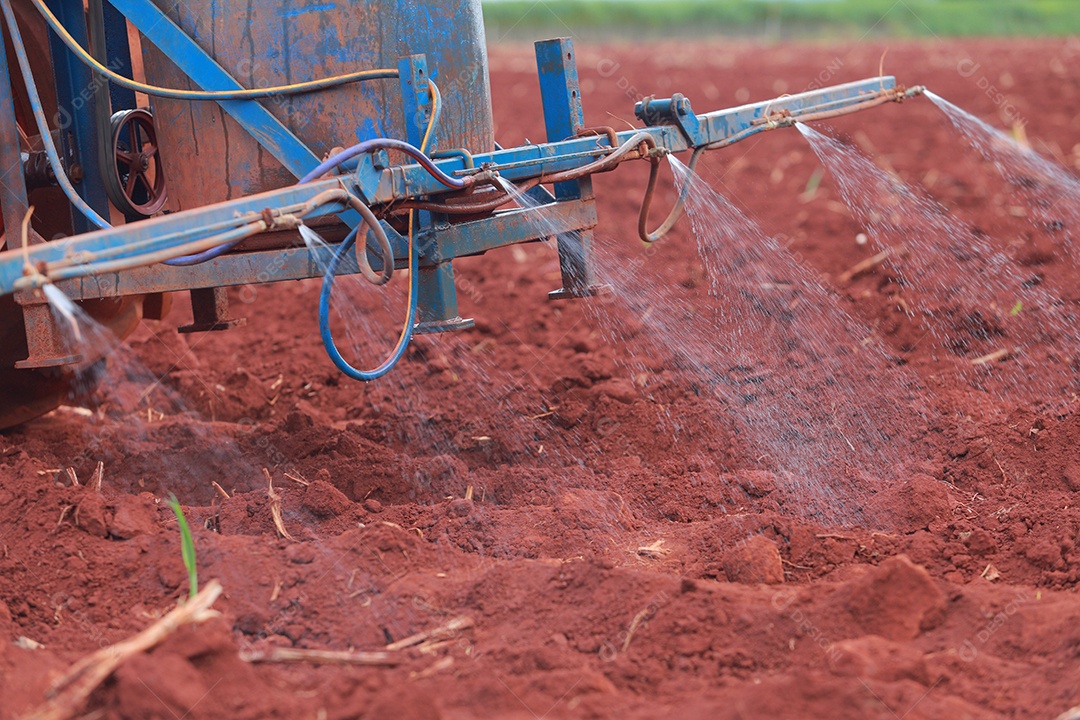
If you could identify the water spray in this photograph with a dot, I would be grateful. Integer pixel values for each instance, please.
(430, 188)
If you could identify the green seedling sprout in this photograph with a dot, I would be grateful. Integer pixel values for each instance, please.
(187, 547)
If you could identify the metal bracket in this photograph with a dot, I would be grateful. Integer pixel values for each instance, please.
(210, 308)
(434, 327)
(674, 110)
(46, 344)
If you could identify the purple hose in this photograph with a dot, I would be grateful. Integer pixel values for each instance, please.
(383, 144)
(326, 166)
(205, 255)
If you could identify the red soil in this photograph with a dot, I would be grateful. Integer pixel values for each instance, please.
(609, 568)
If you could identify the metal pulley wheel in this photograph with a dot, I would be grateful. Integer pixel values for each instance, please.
(135, 182)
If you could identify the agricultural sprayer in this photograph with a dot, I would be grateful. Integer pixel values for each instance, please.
(368, 122)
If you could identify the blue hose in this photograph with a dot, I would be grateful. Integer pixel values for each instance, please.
(324, 316)
(414, 283)
(347, 245)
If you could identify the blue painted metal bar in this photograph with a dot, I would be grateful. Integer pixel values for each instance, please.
(436, 295)
(383, 186)
(560, 95)
(413, 76)
(386, 185)
(564, 116)
(471, 238)
(513, 226)
(85, 245)
(238, 269)
(75, 110)
(443, 243)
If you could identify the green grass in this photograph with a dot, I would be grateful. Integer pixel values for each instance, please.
(187, 547)
(781, 19)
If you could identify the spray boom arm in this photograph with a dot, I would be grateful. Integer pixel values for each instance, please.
(455, 195)
(671, 127)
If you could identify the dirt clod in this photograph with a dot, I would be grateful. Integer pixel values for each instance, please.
(133, 516)
(897, 600)
(1071, 477)
(300, 553)
(875, 658)
(91, 514)
(460, 507)
(324, 500)
(915, 504)
(755, 561)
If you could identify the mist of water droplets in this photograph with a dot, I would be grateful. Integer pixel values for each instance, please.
(138, 420)
(976, 302)
(1049, 191)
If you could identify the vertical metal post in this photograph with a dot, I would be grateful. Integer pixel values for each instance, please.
(561, 97)
(563, 118)
(437, 302)
(75, 110)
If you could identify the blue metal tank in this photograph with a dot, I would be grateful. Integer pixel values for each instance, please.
(207, 155)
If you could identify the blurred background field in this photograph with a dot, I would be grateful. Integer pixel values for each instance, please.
(781, 19)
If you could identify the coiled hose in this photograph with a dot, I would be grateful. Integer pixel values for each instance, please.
(388, 258)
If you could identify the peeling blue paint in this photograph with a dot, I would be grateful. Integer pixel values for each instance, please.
(305, 10)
